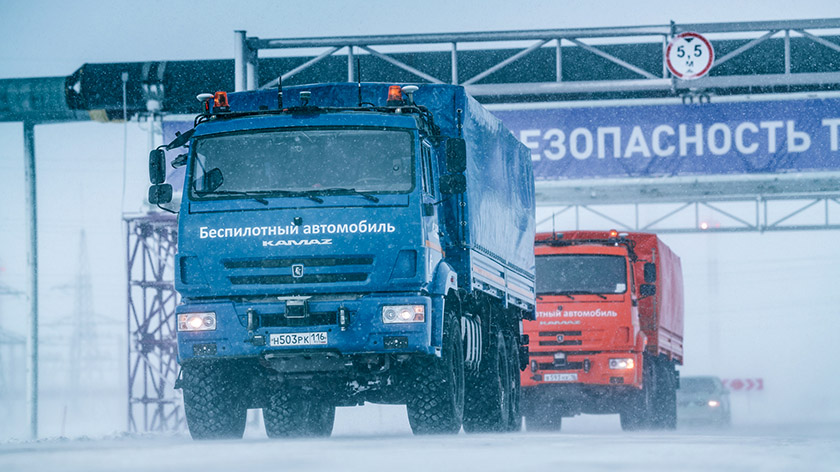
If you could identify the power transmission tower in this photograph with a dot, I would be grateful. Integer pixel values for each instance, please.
(89, 360)
(85, 348)
(12, 376)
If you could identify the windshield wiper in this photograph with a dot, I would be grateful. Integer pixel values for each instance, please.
(350, 191)
(233, 192)
(569, 293)
(282, 193)
(289, 193)
(540, 297)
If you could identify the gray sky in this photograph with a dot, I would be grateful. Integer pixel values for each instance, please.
(50, 38)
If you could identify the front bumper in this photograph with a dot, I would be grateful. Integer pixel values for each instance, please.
(582, 368)
(363, 333)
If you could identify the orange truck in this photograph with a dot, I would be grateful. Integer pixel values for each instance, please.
(608, 332)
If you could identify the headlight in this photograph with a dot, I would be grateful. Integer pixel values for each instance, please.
(197, 321)
(403, 314)
(714, 403)
(622, 363)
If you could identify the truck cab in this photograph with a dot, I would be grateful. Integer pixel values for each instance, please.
(587, 311)
(334, 248)
(608, 330)
(301, 237)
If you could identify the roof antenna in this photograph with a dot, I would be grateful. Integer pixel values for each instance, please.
(359, 79)
(553, 228)
(280, 92)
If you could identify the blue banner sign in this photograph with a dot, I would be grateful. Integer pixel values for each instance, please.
(676, 140)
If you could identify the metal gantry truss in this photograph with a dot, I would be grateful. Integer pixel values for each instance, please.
(628, 62)
(153, 404)
(796, 202)
(643, 71)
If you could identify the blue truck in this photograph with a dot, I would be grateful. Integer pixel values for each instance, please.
(348, 243)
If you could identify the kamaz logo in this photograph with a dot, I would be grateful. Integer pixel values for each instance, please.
(297, 242)
(297, 270)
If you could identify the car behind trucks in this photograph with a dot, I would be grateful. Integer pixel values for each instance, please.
(349, 243)
(608, 333)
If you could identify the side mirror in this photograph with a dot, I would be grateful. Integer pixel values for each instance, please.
(647, 290)
(157, 166)
(456, 155)
(650, 272)
(159, 194)
(180, 139)
(451, 184)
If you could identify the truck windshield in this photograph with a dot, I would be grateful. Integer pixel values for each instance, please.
(578, 273)
(294, 162)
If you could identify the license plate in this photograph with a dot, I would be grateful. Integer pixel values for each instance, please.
(560, 377)
(298, 339)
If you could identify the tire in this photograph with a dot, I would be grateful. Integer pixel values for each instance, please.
(637, 414)
(489, 394)
(213, 402)
(436, 387)
(665, 407)
(633, 416)
(322, 420)
(289, 414)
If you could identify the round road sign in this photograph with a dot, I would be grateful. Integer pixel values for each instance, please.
(689, 56)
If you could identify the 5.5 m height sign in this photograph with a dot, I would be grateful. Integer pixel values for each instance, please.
(671, 140)
(689, 56)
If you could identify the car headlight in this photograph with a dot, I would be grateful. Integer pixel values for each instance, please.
(714, 403)
(403, 314)
(619, 364)
(205, 321)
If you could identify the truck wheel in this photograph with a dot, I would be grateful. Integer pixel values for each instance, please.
(436, 398)
(321, 419)
(489, 395)
(640, 406)
(630, 419)
(290, 415)
(665, 409)
(634, 416)
(213, 402)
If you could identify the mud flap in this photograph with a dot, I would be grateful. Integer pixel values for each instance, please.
(523, 351)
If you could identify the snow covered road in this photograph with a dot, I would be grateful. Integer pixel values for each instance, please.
(360, 443)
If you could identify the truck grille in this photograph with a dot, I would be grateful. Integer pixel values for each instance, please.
(318, 270)
(308, 262)
(566, 366)
(549, 338)
(564, 343)
(288, 279)
(279, 320)
(555, 333)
